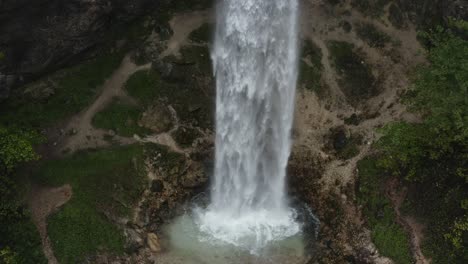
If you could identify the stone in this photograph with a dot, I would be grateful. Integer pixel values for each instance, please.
(153, 242)
(195, 176)
(158, 118)
(134, 241)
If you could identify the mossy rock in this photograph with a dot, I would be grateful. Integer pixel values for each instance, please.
(185, 136)
(355, 77)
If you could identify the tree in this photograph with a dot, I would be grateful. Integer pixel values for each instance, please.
(434, 152)
(18, 237)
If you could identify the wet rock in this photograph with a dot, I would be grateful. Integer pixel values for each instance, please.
(157, 186)
(153, 242)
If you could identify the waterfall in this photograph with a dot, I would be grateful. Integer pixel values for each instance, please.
(255, 63)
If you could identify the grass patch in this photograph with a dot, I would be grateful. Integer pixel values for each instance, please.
(107, 181)
(120, 117)
(310, 75)
(68, 92)
(143, 86)
(388, 236)
(356, 79)
(203, 34)
(372, 36)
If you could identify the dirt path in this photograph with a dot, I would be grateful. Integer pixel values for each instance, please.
(182, 25)
(85, 135)
(43, 202)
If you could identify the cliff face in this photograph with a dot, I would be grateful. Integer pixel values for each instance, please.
(40, 35)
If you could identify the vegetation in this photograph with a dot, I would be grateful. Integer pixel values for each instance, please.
(372, 36)
(356, 78)
(191, 100)
(396, 17)
(310, 74)
(105, 182)
(19, 239)
(432, 155)
(143, 86)
(373, 8)
(388, 236)
(65, 94)
(120, 117)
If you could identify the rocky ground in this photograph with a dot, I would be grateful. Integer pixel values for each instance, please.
(354, 67)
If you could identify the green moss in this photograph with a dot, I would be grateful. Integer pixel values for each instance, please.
(108, 181)
(311, 75)
(73, 89)
(2, 56)
(388, 236)
(372, 36)
(203, 34)
(120, 117)
(356, 79)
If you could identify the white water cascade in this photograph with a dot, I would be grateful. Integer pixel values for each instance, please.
(255, 63)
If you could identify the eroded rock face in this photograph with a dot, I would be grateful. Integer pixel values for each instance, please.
(37, 36)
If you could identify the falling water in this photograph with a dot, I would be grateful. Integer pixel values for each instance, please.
(255, 62)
